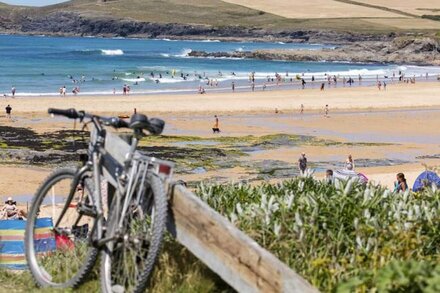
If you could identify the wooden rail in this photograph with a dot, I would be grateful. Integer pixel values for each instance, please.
(226, 250)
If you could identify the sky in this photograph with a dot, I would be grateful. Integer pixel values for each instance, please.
(32, 2)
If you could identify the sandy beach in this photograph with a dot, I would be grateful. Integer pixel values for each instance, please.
(386, 131)
(396, 96)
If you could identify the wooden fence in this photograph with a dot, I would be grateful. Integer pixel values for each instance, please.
(226, 250)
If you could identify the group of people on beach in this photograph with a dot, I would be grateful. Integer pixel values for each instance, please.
(400, 185)
(212, 80)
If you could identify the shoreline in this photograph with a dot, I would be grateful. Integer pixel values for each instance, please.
(295, 85)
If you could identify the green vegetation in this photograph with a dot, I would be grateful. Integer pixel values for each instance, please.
(209, 12)
(405, 276)
(177, 271)
(342, 238)
(332, 235)
(378, 7)
(432, 17)
(266, 141)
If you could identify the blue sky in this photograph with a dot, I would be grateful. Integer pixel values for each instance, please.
(32, 2)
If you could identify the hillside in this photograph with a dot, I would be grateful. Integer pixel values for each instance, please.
(315, 20)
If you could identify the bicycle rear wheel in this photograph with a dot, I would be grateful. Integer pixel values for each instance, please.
(128, 260)
(61, 256)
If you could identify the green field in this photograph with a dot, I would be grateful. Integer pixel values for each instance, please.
(220, 13)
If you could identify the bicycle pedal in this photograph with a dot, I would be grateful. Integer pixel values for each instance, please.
(87, 210)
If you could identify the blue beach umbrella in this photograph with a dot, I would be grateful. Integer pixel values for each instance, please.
(426, 178)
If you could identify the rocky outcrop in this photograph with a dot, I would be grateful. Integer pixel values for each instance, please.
(400, 50)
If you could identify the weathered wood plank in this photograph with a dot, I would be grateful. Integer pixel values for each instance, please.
(226, 250)
(230, 253)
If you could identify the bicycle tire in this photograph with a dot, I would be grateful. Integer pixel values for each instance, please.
(111, 260)
(39, 274)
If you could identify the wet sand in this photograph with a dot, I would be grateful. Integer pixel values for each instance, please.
(396, 96)
(410, 133)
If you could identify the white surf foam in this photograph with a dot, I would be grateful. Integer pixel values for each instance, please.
(116, 52)
(184, 53)
(134, 79)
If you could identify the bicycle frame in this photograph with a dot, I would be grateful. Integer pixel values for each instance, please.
(121, 166)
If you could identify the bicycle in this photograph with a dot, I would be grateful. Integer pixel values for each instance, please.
(108, 207)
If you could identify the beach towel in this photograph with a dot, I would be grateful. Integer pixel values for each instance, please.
(348, 174)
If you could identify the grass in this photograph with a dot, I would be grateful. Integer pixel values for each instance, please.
(207, 12)
(177, 271)
(378, 7)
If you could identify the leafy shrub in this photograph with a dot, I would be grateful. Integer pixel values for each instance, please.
(329, 233)
(406, 276)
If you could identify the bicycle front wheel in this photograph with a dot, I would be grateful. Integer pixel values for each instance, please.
(57, 244)
(128, 260)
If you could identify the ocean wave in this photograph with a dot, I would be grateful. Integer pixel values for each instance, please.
(210, 41)
(169, 80)
(105, 52)
(165, 55)
(141, 79)
(116, 52)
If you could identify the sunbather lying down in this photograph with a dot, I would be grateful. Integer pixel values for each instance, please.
(10, 211)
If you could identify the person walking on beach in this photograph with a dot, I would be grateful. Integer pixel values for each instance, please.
(253, 86)
(8, 111)
(233, 86)
(322, 86)
(302, 163)
(326, 111)
(63, 91)
(301, 109)
(384, 86)
(216, 127)
(379, 85)
(13, 91)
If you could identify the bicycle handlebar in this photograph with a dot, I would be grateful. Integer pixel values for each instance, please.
(154, 125)
(73, 114)
(69, 113)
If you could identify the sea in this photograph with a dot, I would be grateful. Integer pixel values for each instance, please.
(41, 65)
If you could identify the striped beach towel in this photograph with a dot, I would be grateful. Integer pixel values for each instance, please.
(12, 241)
